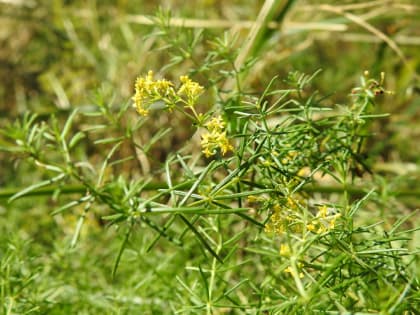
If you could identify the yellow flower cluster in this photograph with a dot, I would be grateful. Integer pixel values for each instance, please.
(215, 138)
(323, 221)
(289, 218)
(192, 90)
(286, 217)
(148, 91)
(290, 156)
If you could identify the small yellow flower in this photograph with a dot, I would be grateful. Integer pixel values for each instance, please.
(291, 203)
(148, 91)
(290, 270)
(163, 87)
(277, 223)
(252, 199)
(286, 217)
(267, 163)
(302, 172)
(322, 211)
(284, 250)
(215, 124)
(311, 227)
(323, 222)
(293, 154)
(212, 141)
(192, 90)
(215, 139)
(333, 220)
(321, 229)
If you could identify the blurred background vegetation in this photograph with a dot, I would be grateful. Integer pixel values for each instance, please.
(56, 55)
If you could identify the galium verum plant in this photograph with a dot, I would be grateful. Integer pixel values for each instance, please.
(260, 166)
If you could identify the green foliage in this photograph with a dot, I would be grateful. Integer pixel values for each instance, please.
(239, 188)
